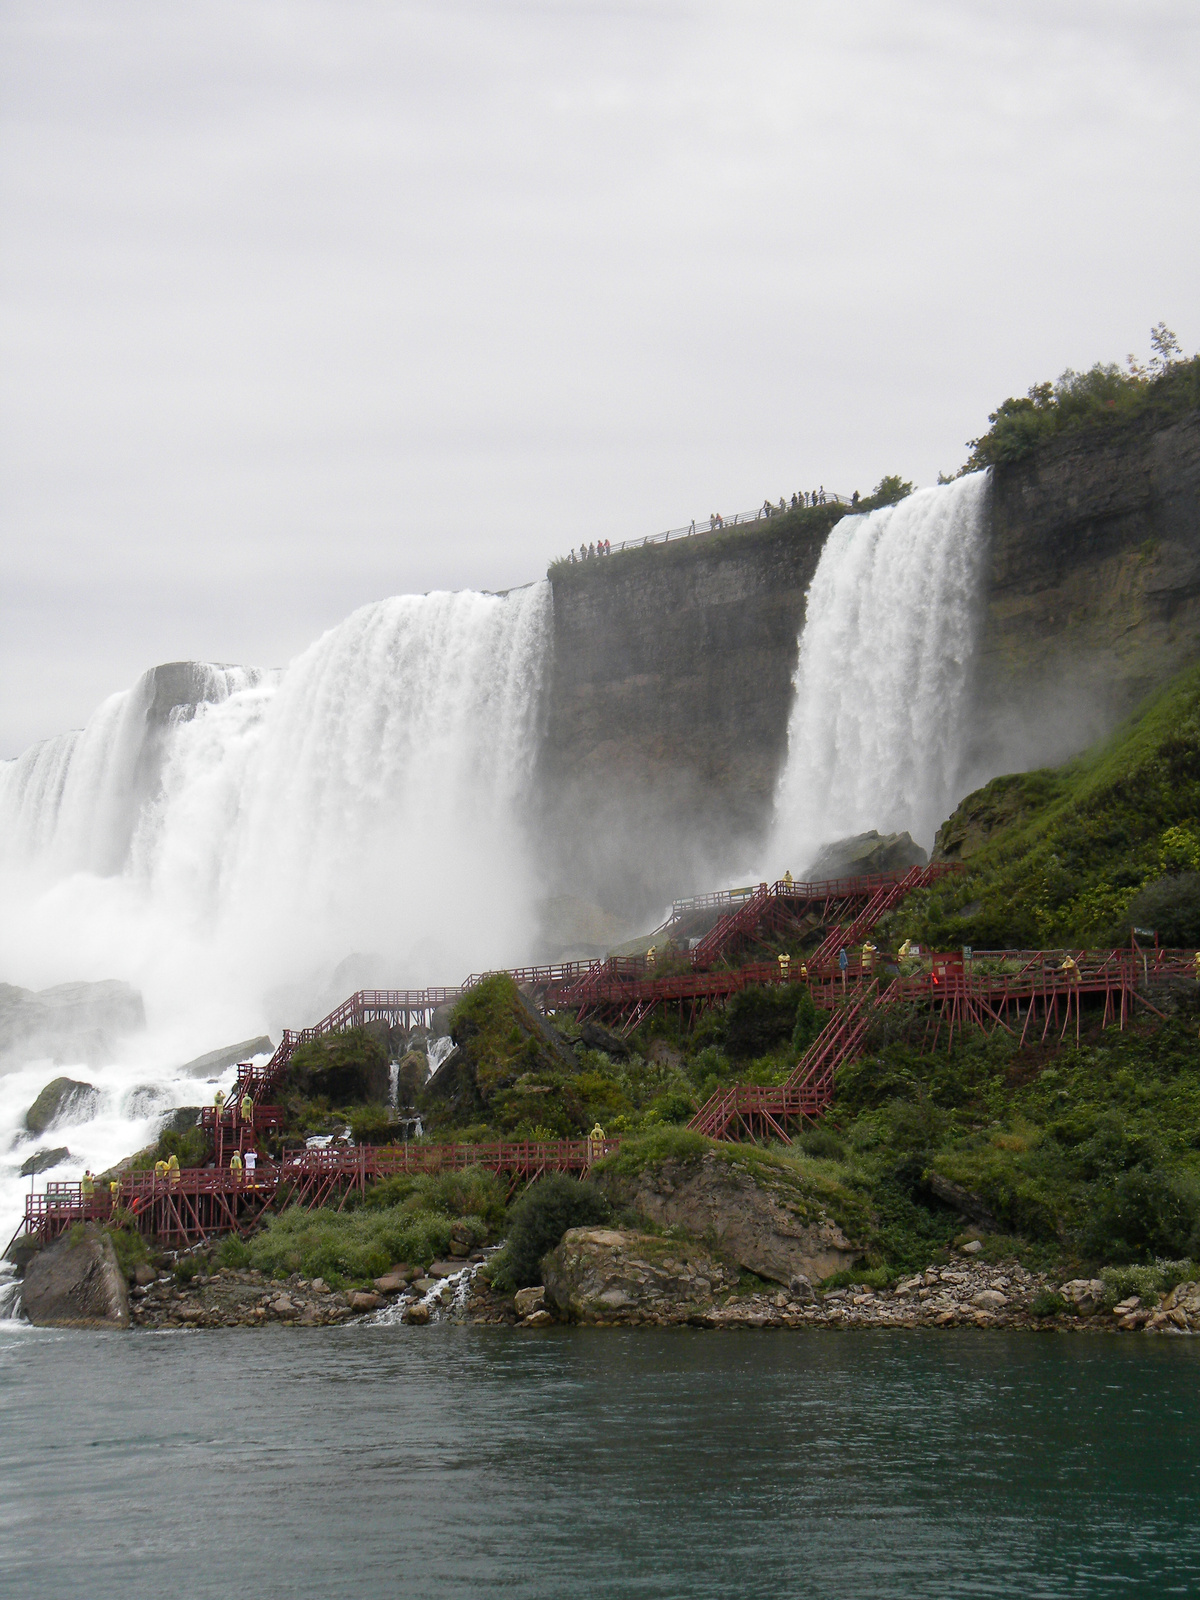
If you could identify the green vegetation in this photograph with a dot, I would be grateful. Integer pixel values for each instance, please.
(546, 1211)
(349, 1068)
(127, 1243)
(1167, 388)
(409, 1219)
(1078, 854)
(889, 491)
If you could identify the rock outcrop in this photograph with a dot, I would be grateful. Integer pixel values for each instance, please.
(756, 1214)
(62, 1100)
(216, 1062)
(71, 1022)
(864, 854)
(76, 1283)
(44, 1160)
(610, 1275)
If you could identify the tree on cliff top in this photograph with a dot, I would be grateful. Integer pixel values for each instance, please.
(1167, 386)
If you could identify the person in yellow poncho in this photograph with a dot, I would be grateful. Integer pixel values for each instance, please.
(173, 1169)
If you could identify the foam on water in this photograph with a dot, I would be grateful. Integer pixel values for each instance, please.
(226, 858)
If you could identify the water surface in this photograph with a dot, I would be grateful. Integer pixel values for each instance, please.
(454, 1461)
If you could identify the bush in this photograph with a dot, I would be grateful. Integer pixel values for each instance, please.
(349, 1068)
(1143, 1214)
(233, 1253)
(1046, 1303)
(819, 1142)
(352, 1246)
(547, 1210)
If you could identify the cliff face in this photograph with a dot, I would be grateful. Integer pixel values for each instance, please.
(668, 709)
(1094, 589)
(671, 683)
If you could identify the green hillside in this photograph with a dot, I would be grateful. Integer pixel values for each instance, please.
(1075, 855)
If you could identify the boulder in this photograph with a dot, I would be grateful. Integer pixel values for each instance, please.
(216, 1062)
(864, 854)
(1085, 1294)
(391, 1282)
(774, 1229)
(527, 1301)
(416, 1315)
(63, 1100)
(444, 1269)
(613, 1275)
(963, 1201)
(600, 1038)
(422, 1286)
(179, 1120)
(364, 1300)
(43, 1160)
(76, 1283)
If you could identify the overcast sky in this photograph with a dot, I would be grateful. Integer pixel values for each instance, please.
(311, 302)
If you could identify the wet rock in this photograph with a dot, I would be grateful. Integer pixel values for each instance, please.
(774, 1229)
(391, 1282)
(538, 1319)
(144, 1274)
(443, 1269)
(612, 1275)
(62, 1100)
(416, 1315)
(865, 853)
(527, 1301)
(216, 1062)
(424, 1285)
(144, 1100)
(76, 1283)
(364, 1300)
(44, 1160)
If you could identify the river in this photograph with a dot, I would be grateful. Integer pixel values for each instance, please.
(460, 1461)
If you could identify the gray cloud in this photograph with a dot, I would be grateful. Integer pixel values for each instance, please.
(308, 303)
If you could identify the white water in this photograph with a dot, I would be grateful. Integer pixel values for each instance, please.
(369, 798)
(883, 679)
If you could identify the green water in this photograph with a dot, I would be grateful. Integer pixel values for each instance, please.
(452, 1461)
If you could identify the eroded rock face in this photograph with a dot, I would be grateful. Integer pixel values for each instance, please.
(72, 1022)
(76, 1283)
(613, 1275)
(772, 1230)
(864, 854)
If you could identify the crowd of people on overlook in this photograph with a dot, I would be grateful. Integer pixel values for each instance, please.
(589, 552)
(801, 500)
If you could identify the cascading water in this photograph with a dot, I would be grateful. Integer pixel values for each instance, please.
(882, 682)
(224, 856)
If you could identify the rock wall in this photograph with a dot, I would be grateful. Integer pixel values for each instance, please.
(1093, 592)
(671, 683)
(669, 697)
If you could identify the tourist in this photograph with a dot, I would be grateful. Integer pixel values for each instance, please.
(219, 1103)
(87, 1185)
(692, 529)
(172, 1169)
(114, 1194)
(788, 881)
(1070, 969)
(854, 498)
(247, 1109)
(235, 1166)
(651, 955)
(843, 963)
(583, 552)
(785, 967)
(868, 957)
(251, 1165)
(160, 1171)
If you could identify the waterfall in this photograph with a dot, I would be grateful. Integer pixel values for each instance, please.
(223, 838)
(883, 679)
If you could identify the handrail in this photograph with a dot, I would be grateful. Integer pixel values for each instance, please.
(718, 524)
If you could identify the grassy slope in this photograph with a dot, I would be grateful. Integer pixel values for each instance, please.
(1065, 851)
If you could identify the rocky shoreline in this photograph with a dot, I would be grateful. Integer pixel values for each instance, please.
(651, 1289)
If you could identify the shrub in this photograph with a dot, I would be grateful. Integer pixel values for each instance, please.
(1145, 1213)
(349, 1068)
(822, 1144)
(547, 1210)
(353, 1246)
(1046, 1303)
(667, 1143)
(233, 1253)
